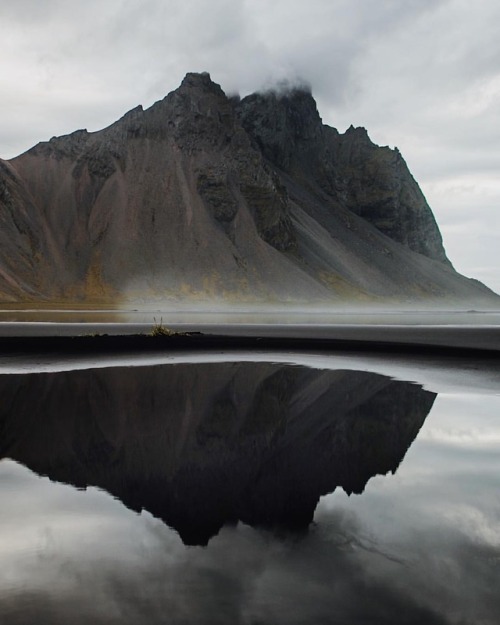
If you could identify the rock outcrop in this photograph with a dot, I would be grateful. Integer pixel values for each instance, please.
(348, 169)
(202, 196)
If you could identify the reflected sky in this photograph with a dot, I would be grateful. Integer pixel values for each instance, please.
(418, 546)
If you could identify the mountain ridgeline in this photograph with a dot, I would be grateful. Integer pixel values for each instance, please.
(203, 196)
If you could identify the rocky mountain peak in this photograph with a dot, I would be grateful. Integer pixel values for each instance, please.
(357, 131)
(208, 196)
(358, 135)
(198, 94)
(201, 82)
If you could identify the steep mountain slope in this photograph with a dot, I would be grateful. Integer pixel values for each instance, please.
(202, 196)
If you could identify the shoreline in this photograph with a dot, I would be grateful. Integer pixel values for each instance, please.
(97, 338)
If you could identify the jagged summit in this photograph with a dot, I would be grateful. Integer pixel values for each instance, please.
(205, 196)
(200, 80)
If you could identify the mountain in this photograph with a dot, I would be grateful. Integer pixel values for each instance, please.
(202, 196)
(200, 445)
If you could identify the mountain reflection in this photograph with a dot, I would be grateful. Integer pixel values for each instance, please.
(203, 445)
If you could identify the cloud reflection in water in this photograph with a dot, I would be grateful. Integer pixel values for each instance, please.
(396, 554)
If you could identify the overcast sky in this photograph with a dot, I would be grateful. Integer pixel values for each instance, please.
(422, 75)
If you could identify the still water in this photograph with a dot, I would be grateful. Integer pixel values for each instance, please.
(250, 488)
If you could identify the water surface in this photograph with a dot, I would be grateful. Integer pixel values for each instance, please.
(244, 488)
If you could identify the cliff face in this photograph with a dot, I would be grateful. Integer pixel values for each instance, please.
(205, 196)
(353, 172)
(202, 445)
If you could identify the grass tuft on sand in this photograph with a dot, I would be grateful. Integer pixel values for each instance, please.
(160, 330)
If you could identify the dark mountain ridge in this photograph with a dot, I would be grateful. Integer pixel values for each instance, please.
(202, 196)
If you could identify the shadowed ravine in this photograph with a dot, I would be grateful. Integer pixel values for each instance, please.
(204, 445)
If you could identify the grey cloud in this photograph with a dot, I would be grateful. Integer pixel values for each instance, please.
(28, 11)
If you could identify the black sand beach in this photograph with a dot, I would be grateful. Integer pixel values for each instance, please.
(96, 336)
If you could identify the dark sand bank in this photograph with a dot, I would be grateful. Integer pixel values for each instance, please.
(89, 337)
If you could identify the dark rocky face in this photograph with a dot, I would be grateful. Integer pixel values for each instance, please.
(202, 196)
(284, 126)
(371, 181)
